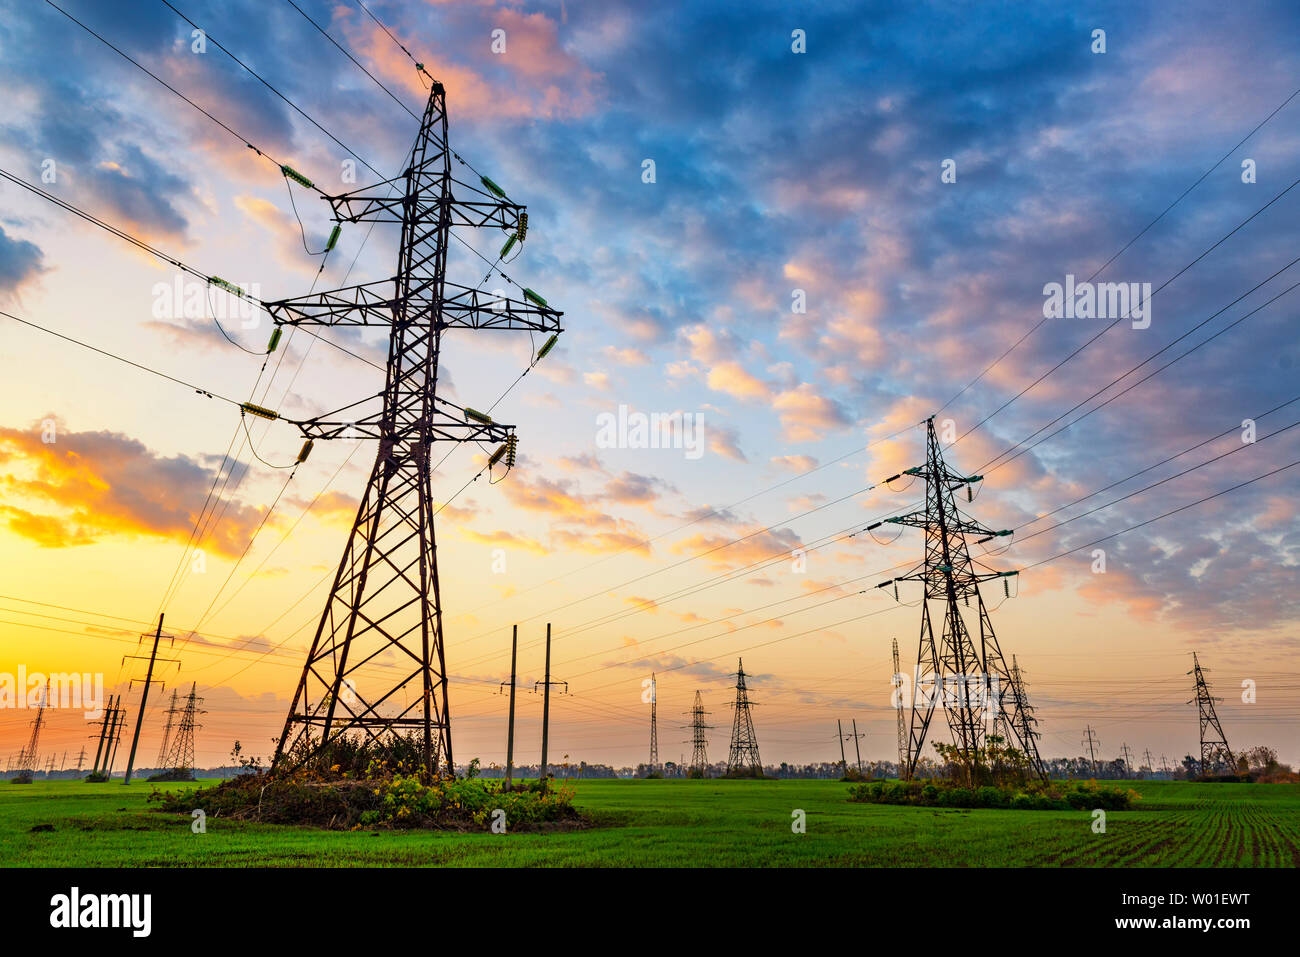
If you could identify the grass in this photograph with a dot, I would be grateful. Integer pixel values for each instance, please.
(681, 823)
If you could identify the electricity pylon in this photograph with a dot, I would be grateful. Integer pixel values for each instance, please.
(1090, 739)
(654, 726)
(743, 754)
(699, 746)
(27, 756)
(1214, 745)
(969, 677)
(172, 711)
(900, 682)
(181, 755)
(385, 600)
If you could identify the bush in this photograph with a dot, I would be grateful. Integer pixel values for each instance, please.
(1055, 796)
(380, 798)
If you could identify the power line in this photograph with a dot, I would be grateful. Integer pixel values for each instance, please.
(1125, 247)
(1121, 378)
(1120, 319)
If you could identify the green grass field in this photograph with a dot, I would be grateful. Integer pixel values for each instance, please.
(682, 823)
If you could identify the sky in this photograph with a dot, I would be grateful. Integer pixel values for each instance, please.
(807, 226)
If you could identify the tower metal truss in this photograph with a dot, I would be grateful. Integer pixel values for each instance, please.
(963, 667)
(377, 664)
(699, 744)
(743, 754)
(1214, 744)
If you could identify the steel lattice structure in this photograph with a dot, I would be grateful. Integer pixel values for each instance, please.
(165, 748)
(1214, 745)
(699, 745)
(899, 678)
(180, 755)
(743, 754)
(654, 725)
(964, 667)
(27, 756)
(385, 596)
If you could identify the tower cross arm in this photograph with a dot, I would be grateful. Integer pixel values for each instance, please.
(366, 304)
(468, 307)
(387, 202)
(443, 426)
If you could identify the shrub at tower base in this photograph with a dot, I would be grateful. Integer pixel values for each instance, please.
(388, 790)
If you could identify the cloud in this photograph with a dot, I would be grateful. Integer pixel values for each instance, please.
(94, 485)
(21, 263)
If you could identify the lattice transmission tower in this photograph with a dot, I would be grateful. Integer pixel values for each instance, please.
(163, 750)
(654, 725)
(899, 682)
(28, 755)
(180, 757)
(385, 608)
(699, 743)
(1214, 744)
(963, 666)
(743, 754)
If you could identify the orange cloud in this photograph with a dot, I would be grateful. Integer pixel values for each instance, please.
(102, 484)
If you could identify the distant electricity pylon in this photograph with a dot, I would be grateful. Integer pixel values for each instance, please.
(172, 711)
(385, 598)
(654, 726)
(1090, 739)
(27, 756)
(181, 755)
(1214, 744)
(743, 754)
(699, 745)
(900, 682)
(971, 678)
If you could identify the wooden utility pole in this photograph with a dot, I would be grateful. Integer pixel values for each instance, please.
(839, 728)
(103, 734)
(857, 749)
(144, 700)
(546, 702)
(510, 734)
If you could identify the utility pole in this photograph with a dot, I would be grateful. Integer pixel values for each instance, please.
(115, 736)
(1214, 744)
(743, 754)
(546, 701)
(385, 596)
(81, 758)
(839, 733)
(857, 749)
(960, 653)
(510, 733)
(1147, 762)
(1090, 739)
(654, 725)
(103, 735)
(144, 699)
